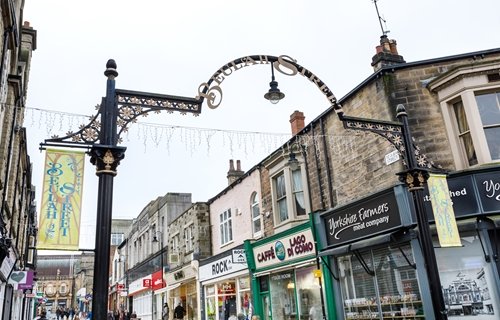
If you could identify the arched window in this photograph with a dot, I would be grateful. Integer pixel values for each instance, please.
(63, 288)
(255, 210)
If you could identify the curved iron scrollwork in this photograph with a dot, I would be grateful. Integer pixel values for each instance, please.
(133, 104)
(284, 64)
(393, 132)
(86, 136)
(129, 105)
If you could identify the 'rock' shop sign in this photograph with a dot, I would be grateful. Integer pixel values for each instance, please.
(369, 217)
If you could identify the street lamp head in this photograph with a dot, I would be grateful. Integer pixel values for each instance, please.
(274, 94)
(155, 239)
(293, 163)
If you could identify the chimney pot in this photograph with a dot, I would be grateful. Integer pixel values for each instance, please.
(297, 121)
(233, 175)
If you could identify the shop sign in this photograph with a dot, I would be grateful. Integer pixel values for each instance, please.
(369, 217)
(293, 247)
(21, 280)
(226, 288)
(220, 268)
(239, 256)
(471, 194)
(7, 265)
(489, 191)
(157, 280)
(146, 283)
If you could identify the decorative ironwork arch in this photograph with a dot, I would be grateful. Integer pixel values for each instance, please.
(130, 105)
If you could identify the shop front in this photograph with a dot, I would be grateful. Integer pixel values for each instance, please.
(373, 254)
(377, 269)
(285, 281)
(182, 288)
(225, 286)
(141, 298)
(469, 273)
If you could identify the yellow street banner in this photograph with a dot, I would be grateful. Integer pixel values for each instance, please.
(60, 211)
(442, 208)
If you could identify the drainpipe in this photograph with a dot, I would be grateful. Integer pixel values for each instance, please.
(318, 171)
(329, 176)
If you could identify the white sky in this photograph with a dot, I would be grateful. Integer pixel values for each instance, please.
(171, 47)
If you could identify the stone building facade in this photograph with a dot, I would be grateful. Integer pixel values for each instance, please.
(56, 280)
(17, 213)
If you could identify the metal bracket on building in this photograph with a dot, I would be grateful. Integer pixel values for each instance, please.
(413, 265)
(363, 263)
(487, 257)
(329, 269)
(487, 224)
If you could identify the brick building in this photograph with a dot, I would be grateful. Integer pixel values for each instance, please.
(363, 217)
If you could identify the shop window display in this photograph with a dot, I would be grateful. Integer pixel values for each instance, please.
(191, 301)
(245, 295)
(226, 300)
(380, 284)
(210, 302)
(283, 302)
(309, 294)
(467, 280)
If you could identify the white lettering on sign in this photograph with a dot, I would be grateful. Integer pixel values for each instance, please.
(357, 221)
(492, 189)
(457, 193)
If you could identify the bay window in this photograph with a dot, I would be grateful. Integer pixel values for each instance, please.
(289, 193)
(470, 103)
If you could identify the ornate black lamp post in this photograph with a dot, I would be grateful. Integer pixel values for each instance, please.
(118, 109)
(122, 107)
(415, 177)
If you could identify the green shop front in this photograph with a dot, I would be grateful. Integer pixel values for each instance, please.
(286, 283)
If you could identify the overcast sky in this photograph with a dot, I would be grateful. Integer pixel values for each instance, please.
(171, 47)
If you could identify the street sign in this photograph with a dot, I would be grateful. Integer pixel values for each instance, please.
(239, 256)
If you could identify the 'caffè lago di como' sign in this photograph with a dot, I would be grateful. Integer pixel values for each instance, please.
(369, 217)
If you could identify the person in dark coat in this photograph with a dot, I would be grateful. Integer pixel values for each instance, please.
(179, 311)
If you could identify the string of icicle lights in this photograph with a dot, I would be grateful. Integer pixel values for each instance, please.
(163, 136)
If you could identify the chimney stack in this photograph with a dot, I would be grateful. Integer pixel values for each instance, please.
(232, 174)
(386, 54)
(297, 121)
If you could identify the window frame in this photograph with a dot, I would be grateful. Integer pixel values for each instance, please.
(225, 227)
(463, 84)
(255, 206)
(189, 237)
(176, 241)
(282, 168)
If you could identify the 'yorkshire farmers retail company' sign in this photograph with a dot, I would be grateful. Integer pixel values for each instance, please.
(286, 249)
(366, 218)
